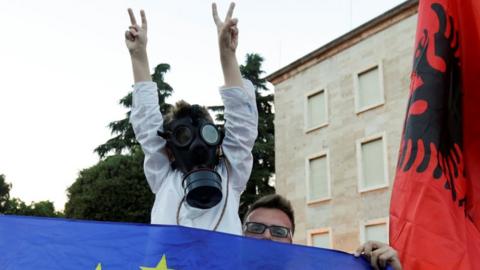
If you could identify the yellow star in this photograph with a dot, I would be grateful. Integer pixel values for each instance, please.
(162, 265)
(99, 266)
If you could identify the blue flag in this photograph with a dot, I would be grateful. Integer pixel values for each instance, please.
(48, 243)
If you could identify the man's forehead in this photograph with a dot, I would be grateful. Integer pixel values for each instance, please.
(269, 216)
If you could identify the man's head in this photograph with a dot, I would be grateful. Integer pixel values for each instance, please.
(270, 217)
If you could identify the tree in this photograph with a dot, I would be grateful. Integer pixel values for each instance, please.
(124, 138)
(115, 189)
(4, 193)
(16, 206)
(43, 209)
(39, 209)
(264, 149)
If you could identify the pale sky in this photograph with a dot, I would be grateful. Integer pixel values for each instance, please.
(64, 67)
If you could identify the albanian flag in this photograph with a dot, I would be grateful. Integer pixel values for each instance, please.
(435, 206)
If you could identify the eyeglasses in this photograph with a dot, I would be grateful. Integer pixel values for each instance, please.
(259, 228)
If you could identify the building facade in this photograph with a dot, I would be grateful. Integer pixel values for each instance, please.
(339, 115)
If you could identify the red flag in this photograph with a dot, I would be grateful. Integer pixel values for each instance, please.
(435, 206)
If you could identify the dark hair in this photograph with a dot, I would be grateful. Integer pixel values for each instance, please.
(184, 109)
(273, 201)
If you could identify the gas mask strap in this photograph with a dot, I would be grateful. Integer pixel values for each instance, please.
(227, 166)
(178, 209)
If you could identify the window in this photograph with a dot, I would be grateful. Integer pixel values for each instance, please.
(318, 178)
(372, 163)
(375, 230)
(316, 110)
(369, 89)
(319, 238)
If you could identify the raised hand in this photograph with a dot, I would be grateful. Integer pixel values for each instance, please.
(136, 40)
(380, 255)
(136, 36)
(227, 30)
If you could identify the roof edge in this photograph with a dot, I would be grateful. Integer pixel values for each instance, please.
(345, 41)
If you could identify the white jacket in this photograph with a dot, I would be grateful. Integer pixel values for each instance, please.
(240, 133)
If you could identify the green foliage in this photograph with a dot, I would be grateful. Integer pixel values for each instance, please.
(39, 209)
(43, 209)
(124, 138)
(4, 193)
(115, 189)
(15, 206)
(264, 149)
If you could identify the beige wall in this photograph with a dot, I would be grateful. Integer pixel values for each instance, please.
(347, 208)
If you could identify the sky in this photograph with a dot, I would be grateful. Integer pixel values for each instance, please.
(64, 66)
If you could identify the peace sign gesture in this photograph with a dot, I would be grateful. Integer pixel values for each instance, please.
(227, 30)
(136, 36)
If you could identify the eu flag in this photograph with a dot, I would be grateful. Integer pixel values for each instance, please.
(47, 243)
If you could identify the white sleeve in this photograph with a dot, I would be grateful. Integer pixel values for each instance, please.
(146, 119)
(241, 121)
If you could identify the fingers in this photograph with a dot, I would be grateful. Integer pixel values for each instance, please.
(234, 31)
(234, 28)
(230, 11)
(132, 17)
(216, 19)
(387, 256)
(368, 247)
(232, 22)
(133, 21)
(379, 254)
(129, 36)
(144, 19)
(231, 26)
(133, 31)
(359, 250)
(229, 30)
(374, 258)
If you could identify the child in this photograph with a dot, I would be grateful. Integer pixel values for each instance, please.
(194, 184)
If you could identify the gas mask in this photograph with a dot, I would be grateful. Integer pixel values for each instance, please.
(194, 143)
